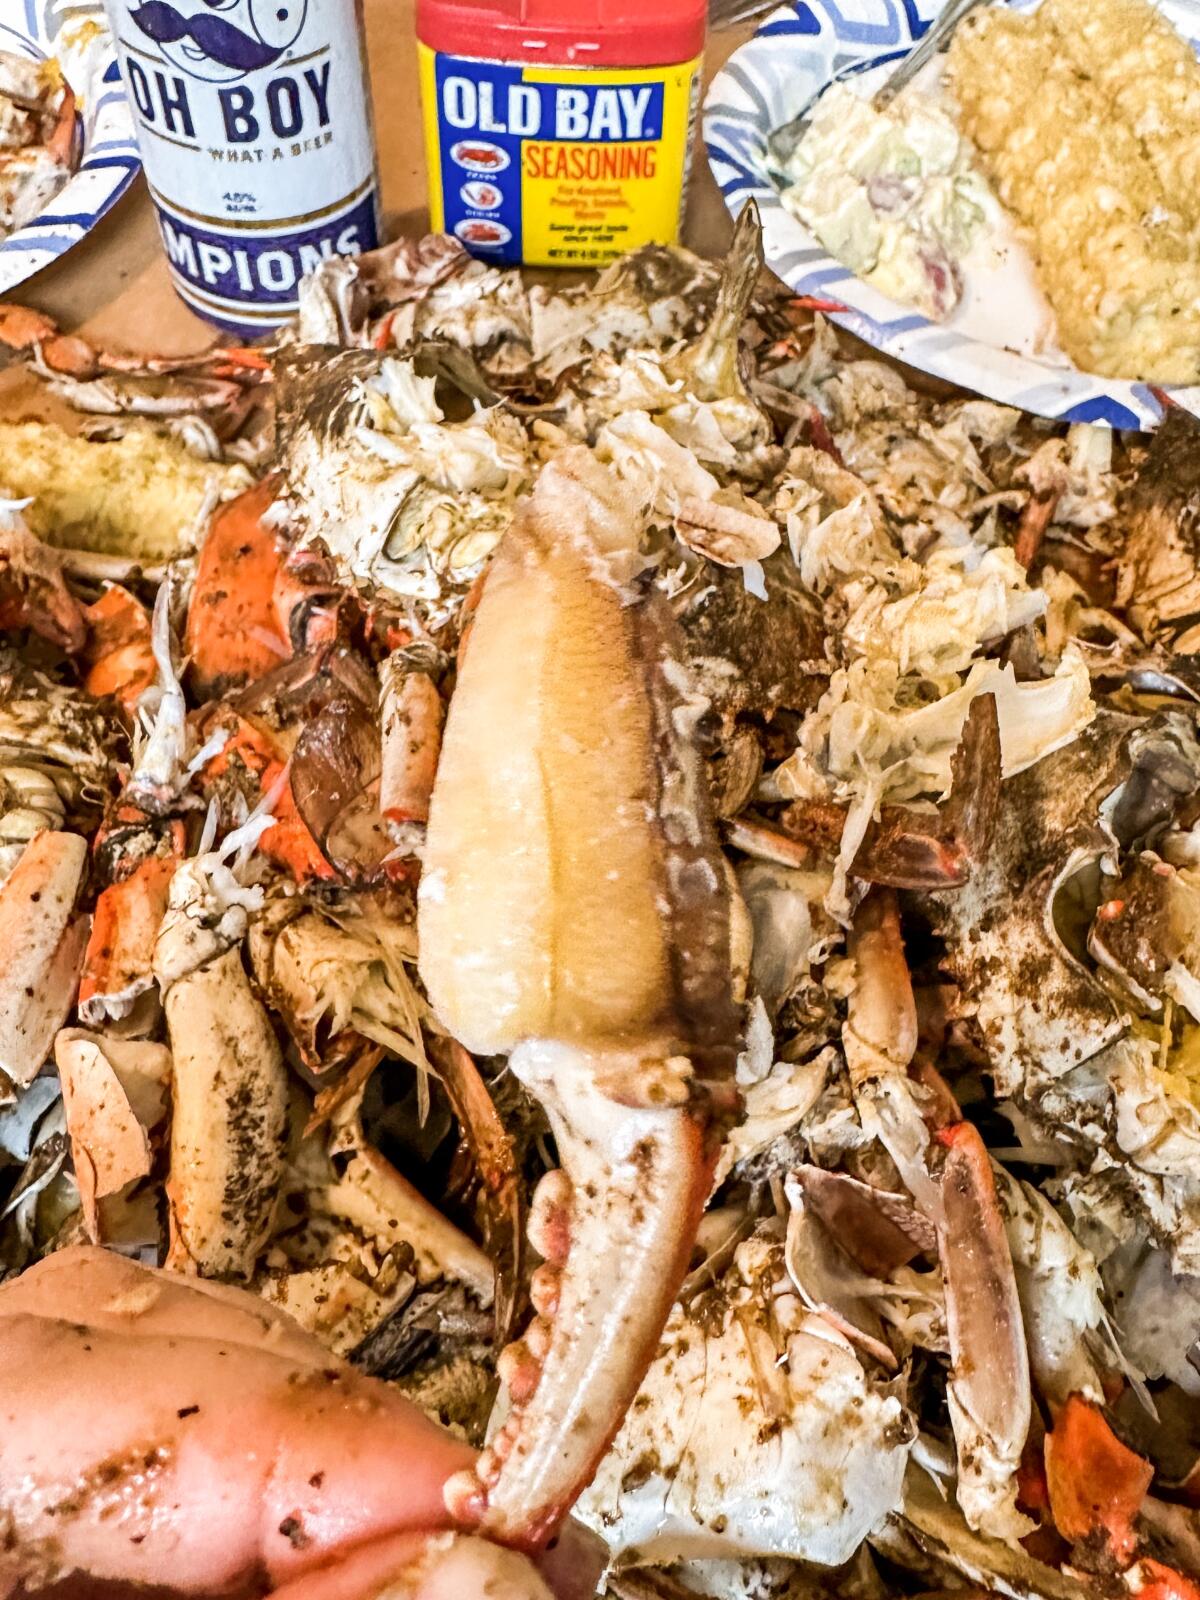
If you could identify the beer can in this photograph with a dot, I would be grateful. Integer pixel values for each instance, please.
(254, 123)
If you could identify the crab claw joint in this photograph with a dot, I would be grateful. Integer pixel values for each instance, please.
(574, 913)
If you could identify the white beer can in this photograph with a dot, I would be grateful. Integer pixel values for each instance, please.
(254, 121)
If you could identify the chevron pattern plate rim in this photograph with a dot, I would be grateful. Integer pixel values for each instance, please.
(797, 50)
(77, 32)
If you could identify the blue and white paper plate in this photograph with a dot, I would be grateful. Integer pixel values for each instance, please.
(77, 35)
(797, 51)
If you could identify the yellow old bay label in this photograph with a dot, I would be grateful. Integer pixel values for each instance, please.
(556, 166)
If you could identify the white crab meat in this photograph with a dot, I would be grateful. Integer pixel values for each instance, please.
(401, 496)
(1157, 1311)
(341, 1301)
(756, 1433)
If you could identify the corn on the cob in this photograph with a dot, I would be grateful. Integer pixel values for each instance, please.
(1150, 76)
(1113, 258)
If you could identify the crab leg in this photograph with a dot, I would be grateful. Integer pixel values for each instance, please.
(411, 714)
(880, 1038)
(989, 1392)
(990, 1398)
(41, 950)
(574, 912)
(491, 1149)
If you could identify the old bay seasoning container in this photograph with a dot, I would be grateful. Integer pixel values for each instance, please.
(558, 132)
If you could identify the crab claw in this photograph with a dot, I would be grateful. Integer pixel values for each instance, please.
(574, 912)
(615, 1235)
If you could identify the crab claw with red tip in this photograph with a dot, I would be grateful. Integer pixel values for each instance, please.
(574, 912)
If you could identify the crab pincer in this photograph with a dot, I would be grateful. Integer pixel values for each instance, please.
(950, 1177)
(574, 912)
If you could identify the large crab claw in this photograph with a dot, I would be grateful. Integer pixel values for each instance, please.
(574, 912)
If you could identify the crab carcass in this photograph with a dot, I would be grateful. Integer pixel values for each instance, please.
(756, 1432)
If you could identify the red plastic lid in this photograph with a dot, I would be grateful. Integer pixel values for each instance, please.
(577, 33)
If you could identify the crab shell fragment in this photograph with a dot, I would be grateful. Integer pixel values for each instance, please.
(42, 944)
(574, 911)
(756, 1433)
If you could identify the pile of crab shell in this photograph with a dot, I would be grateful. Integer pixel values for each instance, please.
(640, 830)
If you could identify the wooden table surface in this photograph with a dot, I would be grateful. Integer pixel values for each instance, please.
(114, 286)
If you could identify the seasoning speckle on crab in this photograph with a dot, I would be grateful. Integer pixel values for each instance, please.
(800, 840)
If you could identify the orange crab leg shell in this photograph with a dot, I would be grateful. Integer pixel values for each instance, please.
(120, 952)
(1157, 1582)
(288, 841)
(233, 633)
(119, 653)
(1095, 1482)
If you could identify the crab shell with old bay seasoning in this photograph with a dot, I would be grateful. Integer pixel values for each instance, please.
(1035, 1002)
(229, 1083)
(253, 603)
(757, 1432)
(568, 787)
